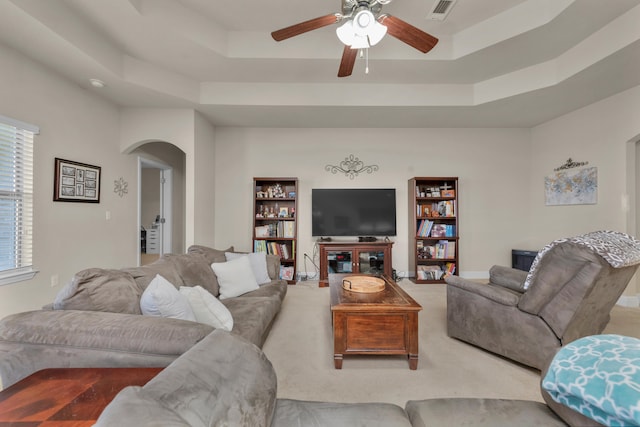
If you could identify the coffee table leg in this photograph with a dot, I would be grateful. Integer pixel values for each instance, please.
(413, 362)
(337, 361)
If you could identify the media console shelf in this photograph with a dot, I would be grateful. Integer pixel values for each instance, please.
(354, 258)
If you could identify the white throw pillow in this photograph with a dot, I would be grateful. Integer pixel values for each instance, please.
(207, 308)
(258, 261)
(162, 299)
(235, 277)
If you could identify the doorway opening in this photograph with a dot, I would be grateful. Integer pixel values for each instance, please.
(155, 219)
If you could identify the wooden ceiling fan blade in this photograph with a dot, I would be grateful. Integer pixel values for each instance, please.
(303, 27)
(408, 34)
(347, 62)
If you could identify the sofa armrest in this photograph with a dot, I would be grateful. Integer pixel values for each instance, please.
(508, 277)
(498, 294)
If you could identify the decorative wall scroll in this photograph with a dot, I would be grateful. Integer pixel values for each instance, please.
(351, 166)
(76, 182)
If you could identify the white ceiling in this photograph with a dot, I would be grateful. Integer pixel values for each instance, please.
(499, 63)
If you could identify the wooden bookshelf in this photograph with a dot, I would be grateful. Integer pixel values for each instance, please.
(433, 228)
(275, 225)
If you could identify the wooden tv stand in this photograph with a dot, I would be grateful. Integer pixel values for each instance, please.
(351, 254)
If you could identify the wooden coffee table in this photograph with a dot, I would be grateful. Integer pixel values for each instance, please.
(73, 397)
(381, 323)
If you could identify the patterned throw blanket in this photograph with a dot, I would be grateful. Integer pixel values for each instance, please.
(618, 249)
(599, 377)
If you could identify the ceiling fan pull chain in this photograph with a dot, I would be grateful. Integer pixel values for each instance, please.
(366, 68)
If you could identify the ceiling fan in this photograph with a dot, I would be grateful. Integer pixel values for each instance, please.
(364, 26)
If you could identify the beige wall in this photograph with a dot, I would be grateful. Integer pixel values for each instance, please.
(601, 134)
(204, 183)
(76, 125)
(492, 166)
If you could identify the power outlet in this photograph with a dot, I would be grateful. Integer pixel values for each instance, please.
(55, 280)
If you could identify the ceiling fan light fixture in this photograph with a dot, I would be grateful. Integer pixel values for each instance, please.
(345, 33)
(362, 21)
(362, 31)
(376, 33)
(360, 42)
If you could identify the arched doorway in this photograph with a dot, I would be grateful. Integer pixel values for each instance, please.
(161, 201)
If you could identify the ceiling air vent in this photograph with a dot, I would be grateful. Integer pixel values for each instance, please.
(440, 10)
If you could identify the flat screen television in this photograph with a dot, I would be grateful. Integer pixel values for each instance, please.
(361, 212)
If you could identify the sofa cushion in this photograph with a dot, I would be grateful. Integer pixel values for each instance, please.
(107, 331)
(253, 316)
(275, 288)
(194, 269)
(97, 289)
(235, 277)
(474, 412)
(164, 266)
(291, 412)
(258, 261)
(221, 381)
(162, 299)
(207, 308)
(211, 255)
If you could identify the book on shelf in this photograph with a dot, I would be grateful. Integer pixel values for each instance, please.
(289, 229)
(424, 229)
(430, 272)
(449, 268)
(274, 248)
(444, 249)
(450, 250)
(439, 230)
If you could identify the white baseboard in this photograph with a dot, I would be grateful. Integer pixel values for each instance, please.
(629, 301)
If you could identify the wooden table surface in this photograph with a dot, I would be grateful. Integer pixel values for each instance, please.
(380, 323)
(66, 397)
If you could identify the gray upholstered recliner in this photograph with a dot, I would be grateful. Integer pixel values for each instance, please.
(567, 294)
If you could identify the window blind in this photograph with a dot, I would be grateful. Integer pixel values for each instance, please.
(16, 200)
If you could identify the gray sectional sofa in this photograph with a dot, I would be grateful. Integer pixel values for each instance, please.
(227, 381)
(96, 320)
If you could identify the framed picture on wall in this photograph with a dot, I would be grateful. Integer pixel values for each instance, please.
(76, 182)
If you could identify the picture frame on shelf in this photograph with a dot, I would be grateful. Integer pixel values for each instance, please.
(76, 182)
(286, 273)
(283, 212)
(262, 231)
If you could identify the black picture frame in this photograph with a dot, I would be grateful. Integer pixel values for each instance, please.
(76, 182)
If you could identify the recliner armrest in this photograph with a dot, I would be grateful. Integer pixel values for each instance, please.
(508, 277)
(498, 294)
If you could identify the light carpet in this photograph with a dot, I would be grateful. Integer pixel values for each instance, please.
(300, 347)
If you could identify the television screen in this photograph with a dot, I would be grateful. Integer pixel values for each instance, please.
(353, 212)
